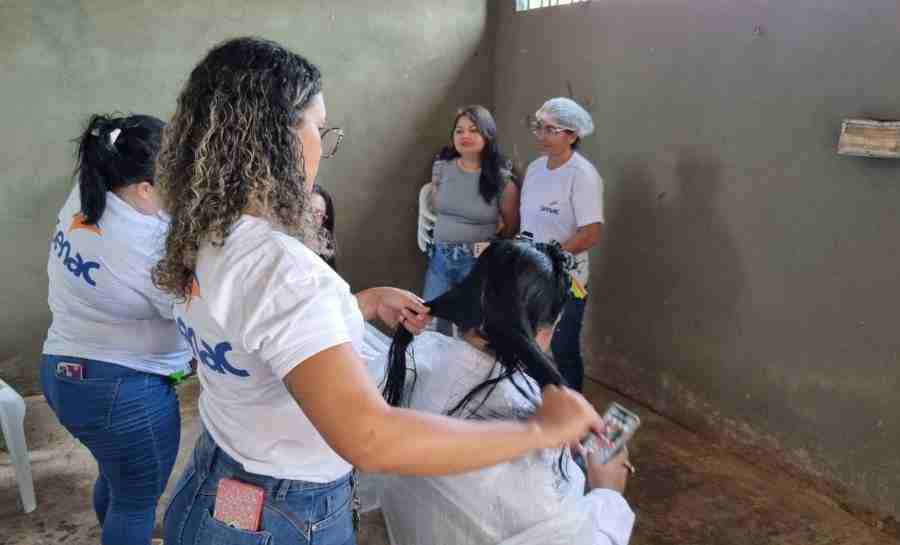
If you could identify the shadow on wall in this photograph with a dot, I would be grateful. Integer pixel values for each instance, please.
(667, 291)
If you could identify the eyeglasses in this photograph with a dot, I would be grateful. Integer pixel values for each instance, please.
(331, 141)
(538, 128)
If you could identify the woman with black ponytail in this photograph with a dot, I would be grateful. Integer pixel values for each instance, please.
(507, 309)
(113, 350)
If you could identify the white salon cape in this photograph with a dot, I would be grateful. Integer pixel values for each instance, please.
(527, 501)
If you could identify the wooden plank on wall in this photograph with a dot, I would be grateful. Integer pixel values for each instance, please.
(867, 138)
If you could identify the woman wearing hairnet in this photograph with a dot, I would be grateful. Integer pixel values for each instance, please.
(562, 201)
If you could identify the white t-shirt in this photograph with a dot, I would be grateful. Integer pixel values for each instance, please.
(555, 203)
(520, 498)
(262, 304)
(104, 304)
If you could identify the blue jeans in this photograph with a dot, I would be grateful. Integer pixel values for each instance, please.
(566, 343)
(129, 420)
(294, 512)
(449, 265)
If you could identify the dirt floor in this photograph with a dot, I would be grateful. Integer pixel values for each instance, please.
(686, 491)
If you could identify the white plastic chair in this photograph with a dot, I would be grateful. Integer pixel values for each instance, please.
(427, 219)
(12, 422)
(425, 232)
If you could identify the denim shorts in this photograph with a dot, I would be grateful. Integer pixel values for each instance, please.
(293, 511)
(448, 265)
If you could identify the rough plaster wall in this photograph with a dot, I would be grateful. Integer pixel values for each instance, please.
(395, 70)
(747, 279)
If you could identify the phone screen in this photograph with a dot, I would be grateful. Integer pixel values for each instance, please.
(620, 426)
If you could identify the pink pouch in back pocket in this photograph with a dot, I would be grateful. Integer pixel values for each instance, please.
(239, 504)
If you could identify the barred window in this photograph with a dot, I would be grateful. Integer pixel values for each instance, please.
(525, 5)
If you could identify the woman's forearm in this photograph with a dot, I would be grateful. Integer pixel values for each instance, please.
(408, 442)
(339, 397)
(584, 239)
(509, 211)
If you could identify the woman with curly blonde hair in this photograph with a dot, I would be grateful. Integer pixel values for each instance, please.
(287, 405)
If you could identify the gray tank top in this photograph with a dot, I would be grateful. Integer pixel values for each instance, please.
(462, 214)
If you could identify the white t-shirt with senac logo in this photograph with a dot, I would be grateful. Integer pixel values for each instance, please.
(105, 306)
(555, 203)
(262, 304)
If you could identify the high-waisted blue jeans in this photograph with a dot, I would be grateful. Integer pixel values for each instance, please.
(129, 420)
(295, 512)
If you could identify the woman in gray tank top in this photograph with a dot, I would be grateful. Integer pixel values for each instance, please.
(473, 199)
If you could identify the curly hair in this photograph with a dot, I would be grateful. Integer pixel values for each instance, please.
(232, 144)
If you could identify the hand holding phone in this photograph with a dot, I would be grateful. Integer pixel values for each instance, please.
(612, 475)
(620, 425)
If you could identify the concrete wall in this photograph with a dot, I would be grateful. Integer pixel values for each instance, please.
(395, 71)
(747, 280)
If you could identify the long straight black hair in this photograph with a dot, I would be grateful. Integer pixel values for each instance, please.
(115, 152)
(515, 288)
(495, 167)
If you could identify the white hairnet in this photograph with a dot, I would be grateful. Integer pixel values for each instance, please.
(567, 114)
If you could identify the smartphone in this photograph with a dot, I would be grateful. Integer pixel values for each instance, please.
(620, 426)
(239, 504)
(70, 370)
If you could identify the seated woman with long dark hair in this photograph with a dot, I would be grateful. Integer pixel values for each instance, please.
(507, 308)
